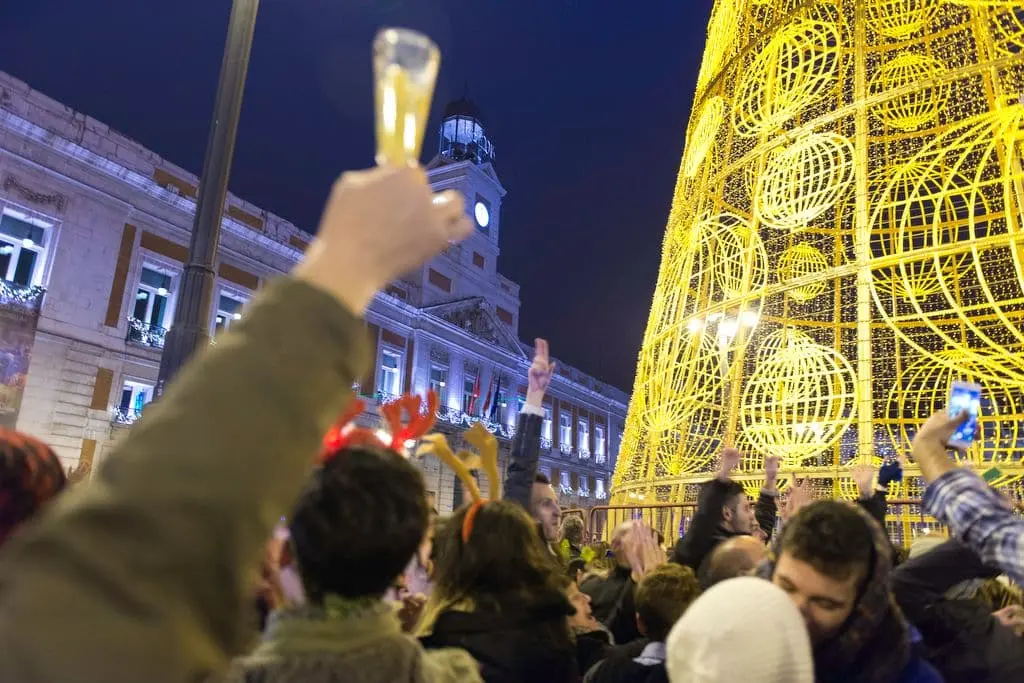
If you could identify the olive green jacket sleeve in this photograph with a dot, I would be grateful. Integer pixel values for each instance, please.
(144, 575)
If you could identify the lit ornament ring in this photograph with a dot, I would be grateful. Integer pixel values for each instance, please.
(979, 311)
(804, 181)
(795, 69)
(801, 261)
(727, 247)
(703, 137)
(918, 212)
(913, 109)
(900, 19)
(1006, 22)
(799, 402)
(923, 389)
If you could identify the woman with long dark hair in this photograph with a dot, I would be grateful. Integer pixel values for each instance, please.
(498, 595)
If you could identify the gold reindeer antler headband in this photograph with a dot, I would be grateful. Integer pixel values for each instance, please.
(461, 463)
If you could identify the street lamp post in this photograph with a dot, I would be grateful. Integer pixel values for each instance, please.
(190, 329)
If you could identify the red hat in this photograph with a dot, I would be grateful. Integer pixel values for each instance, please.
(30, 475)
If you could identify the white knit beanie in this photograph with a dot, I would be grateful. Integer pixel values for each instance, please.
(743, 629)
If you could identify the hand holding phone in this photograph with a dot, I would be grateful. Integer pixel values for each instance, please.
(964, 397)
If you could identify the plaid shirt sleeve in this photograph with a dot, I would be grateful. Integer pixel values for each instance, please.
(981, 518)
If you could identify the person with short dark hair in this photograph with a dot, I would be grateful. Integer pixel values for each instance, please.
(834, 562)
(360, 519)
(498, 595)
(661, 599)
(723, 511)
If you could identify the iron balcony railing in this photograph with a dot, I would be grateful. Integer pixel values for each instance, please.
(144, 334)
(124, 416)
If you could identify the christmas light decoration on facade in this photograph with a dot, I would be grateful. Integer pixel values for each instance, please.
(845, 240)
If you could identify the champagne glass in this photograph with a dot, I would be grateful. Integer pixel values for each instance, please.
(405, 65)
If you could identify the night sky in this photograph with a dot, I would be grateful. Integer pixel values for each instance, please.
(586, 102)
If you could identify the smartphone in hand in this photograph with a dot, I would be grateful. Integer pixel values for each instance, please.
(964, 396)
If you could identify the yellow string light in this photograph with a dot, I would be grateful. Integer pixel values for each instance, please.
(845, 239)
(804, 181)
(918, 106)
(801, 261)
(795, 68)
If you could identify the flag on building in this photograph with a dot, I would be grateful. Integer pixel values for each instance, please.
(493, 415)
(485, 409)
(475, 396)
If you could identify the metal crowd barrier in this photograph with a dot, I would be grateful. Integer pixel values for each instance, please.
(904, 522)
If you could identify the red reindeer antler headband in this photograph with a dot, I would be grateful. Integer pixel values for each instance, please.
(345, 434)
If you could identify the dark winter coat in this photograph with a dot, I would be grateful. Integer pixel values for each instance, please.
(612, 602)
(961, 637)
(511, 649)
(621, 666)
(522, 465)
(706, 532)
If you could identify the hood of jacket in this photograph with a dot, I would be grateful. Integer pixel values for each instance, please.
(874, 643)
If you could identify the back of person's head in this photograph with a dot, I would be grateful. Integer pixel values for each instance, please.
(737, 556)
(572, 530)
(662, 597)
(743, 629)
(30, 476)
(358, 523)
(831, 536)
(502, 565)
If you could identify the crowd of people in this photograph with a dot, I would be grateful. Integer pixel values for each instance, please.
(172, 562)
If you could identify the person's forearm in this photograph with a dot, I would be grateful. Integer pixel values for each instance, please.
(535, 399)
(157, 552)
(931, 457)
(522, 466)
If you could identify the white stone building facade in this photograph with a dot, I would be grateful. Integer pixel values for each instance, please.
(94, 231)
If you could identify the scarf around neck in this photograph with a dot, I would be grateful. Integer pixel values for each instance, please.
(874, 643)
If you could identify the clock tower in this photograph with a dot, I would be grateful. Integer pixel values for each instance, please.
(469, 270)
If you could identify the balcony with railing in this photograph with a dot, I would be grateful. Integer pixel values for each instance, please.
(144, 334)
(21, 298)
(545, 444)
(565, 448)
(584, 454)
(126, 417)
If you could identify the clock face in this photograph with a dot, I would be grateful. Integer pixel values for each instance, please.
(483, 216)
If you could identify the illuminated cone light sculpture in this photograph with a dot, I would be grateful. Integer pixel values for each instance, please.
(845, 240)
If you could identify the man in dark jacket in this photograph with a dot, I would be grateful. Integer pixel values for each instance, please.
(661, 598)
(611, 598)
(723, 511)
(523, 484)
(961, 637)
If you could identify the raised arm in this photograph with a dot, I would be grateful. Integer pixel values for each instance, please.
(145, 573)
(766, 510)
(699, 538)
(973, 511)
(872, 500)
(526, 444)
